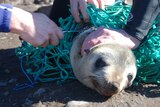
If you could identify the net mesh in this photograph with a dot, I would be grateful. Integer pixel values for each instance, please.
(53, 63)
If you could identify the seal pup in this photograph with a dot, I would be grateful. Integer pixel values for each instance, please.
(107, 68)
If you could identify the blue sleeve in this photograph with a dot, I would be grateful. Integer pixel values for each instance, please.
(5, 17)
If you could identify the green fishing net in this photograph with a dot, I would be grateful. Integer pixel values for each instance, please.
(53, 63)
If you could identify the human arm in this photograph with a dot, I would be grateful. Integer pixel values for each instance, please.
(142, 16)
(35, 28)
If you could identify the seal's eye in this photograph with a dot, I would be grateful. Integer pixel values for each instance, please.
(129, 76)
(100, 63)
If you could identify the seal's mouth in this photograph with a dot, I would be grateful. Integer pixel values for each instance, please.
(106, 89)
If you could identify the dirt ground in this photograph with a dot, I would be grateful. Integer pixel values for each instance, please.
(52, 94)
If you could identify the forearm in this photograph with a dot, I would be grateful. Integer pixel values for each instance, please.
(35, 28)
(12, 19)
(20, 20)
(142, 16)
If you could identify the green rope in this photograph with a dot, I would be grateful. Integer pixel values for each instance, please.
(53, 64)
(148, 58)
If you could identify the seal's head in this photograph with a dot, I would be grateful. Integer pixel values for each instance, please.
(106, 68)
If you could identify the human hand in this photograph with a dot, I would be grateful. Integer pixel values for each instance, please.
(80, 6)
(35, 28)
(104, 35)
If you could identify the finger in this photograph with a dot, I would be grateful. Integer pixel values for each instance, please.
(42, 40)
(74, 10)
(109, 2)
(37, 40)
(83, 10)
(46, 43)
(100, 28)
(59, 33)
(53, 39)
(94, 2)
(54, 29)
(101, 4)
(55, 32)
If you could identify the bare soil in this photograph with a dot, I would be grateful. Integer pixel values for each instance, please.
(52, 94)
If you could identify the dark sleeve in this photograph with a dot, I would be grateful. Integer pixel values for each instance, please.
(5, 16)
(60, 8)
(142, 16)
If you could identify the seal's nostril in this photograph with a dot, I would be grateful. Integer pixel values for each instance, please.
(110, 89)
(114, 88)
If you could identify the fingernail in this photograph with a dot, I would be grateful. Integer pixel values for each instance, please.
(78, 20)
(60, 34)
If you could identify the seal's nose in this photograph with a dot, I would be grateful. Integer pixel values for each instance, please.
(111, 89)
(114, 88)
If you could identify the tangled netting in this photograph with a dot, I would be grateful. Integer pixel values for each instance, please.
(53, 63)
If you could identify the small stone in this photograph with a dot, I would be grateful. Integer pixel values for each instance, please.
(14, 104)
(11, 38)
(39, 92)
(2, 38)
(38, 104)
(2, 84)
(12, 80)
(7, 71)
(6, 93)
(28, 102)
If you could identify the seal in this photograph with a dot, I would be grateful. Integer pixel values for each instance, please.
(107, 68)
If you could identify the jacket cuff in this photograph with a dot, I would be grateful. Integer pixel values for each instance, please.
(5, 17)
